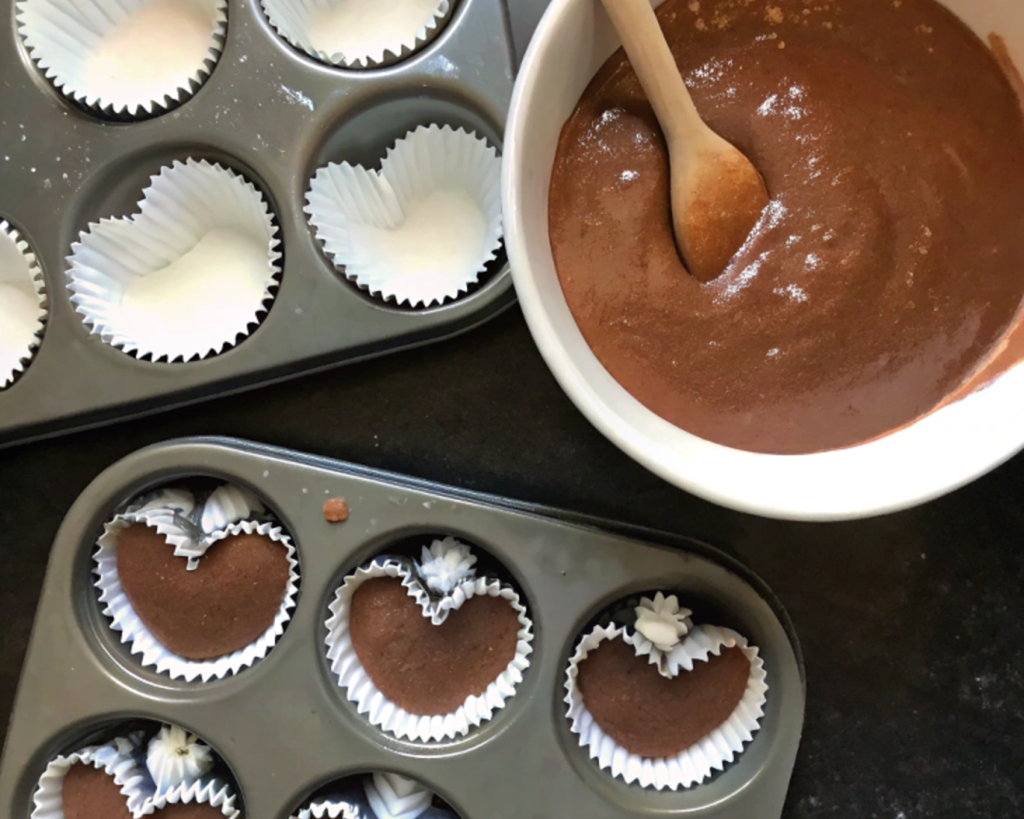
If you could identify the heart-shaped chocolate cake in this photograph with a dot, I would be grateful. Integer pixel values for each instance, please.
(92, 793)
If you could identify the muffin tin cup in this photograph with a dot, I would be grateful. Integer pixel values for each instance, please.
(389, 717)
(123, 619)
(212, 792)
(273, 116)
(524, 762)
(161, 53)
(694, 764)
(327, 809)
(23, 309)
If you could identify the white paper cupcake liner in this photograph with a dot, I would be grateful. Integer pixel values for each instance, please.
(187, 275)
(143, 642)
(131, 58)
(358, 33)
(388, 716)
(213, 792)
(22, 304)
(176, 758)
(397, 797)
(229, 504)
(328, 809)
(422, 229)
(696, 763)
(120, 764)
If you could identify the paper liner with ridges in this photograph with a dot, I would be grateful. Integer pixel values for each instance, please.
(229, 504)
(176, 758)
(213, 792)
(388, 716)
(392, 796)
(62, 35)
(122, 765)
(411, 25)
(185, 204)
(357, 214)
(696, 763)
(143, 642)
(328, 809)
(24, 311)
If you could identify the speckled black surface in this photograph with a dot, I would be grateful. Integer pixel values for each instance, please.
(912, 625)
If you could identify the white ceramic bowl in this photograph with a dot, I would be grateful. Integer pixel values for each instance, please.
(935, 455)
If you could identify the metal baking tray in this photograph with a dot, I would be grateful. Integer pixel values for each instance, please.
(275, 115)
(284, 727)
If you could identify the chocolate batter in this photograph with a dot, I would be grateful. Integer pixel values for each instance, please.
(89, 793)
(654, 716)
(888, 265)
(221, 607)
(423, 668)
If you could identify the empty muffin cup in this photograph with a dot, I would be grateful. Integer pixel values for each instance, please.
(474, 632)
(22, 304)
(422, 229)
(186, 277)
(131, 58)
(358, 33)
(380, 795)
(695, 696)
(188, 616)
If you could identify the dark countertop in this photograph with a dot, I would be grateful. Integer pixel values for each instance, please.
(912, 625)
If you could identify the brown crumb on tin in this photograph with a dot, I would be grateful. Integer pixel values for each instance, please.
(335, 510)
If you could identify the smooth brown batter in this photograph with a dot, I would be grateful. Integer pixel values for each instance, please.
(654, 716)
(888, 265)
(224, 605)
(423, 668)
(90, 793)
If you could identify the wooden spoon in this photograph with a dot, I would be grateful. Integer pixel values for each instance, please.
(717, 194)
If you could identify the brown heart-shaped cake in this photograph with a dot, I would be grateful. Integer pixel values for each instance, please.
(655, 716)
(225, 604)
(429, 669)
(91, 793)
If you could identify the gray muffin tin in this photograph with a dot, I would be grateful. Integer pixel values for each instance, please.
(284, 727)
(275, 115)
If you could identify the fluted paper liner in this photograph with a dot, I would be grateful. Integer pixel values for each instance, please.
(388, 716)
(696, 763)
(422, 229)
(213, 792)
(123, 767)
(154, 654)
(130, 58)
(328, 809)
(358, 33)
(22, 304)
(188, 274)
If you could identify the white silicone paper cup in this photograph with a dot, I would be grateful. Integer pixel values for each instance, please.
(186, 276)
(129, 58)
(929, 458)
(22, 304)
(388, 716)
(695, 764)
(213, 792)
(120, 764)
(154, 654)
(422, 229)
(392, 796)
(358, 33)
(328, 809)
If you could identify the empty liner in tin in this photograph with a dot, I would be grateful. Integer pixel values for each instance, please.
(421, 230)
(126, 58)
(376, 796)
(189, 275)
(358, 33)
(425, 647)
(201, 585)
(22, 304)
(660, 702)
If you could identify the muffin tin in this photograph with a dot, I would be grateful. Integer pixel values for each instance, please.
(275, 115)
(284, 727)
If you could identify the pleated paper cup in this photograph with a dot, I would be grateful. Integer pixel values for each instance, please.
(125, 58)
(142, 641)
(358, 33)
(388, 716)
(696, 763)
(119, 763)
(213, 792)
(328, 809)
(422, 229)
(186, 277)
(22, 304)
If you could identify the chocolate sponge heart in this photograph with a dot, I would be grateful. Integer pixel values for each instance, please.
(225, 604)
(423, 668)
(655, 716)
(91, 793)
